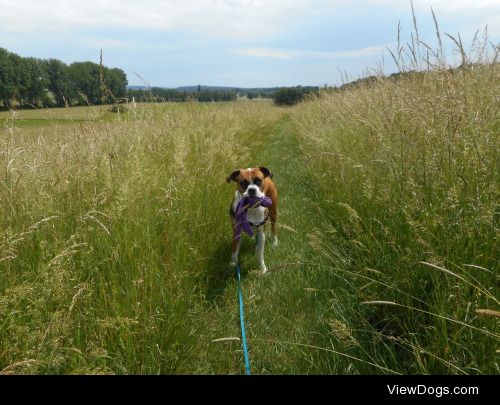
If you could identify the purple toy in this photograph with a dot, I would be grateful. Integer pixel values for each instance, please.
(241, 213)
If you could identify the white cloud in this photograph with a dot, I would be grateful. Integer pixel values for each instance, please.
(459, 6)
(358, 53)
(286, 54)
(264, 53)
(104, 43)
(228, 19)
(222, 18)
(445, 6)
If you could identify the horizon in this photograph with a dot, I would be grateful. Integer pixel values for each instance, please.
(142, 86)
(237, 43)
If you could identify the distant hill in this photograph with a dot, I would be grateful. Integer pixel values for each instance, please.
(191, 89)
(242, 90)
(262, 91)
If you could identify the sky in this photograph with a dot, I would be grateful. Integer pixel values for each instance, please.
(241, 43)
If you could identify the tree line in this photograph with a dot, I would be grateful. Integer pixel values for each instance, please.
(293, 95)
(52, 83)
(158, 95)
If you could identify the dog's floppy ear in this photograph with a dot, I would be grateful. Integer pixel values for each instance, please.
(266, 171)
(232, 176)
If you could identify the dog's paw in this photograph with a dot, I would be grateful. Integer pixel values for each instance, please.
(234, 260)
(274, 240)
(264, 269)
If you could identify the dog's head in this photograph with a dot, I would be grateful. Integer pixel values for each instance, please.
(250, 182)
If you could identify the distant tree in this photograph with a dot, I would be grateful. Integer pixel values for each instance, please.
(50, 82)
(288, 96)
(7, 78)
(59, 83)
(85, 81)
(116, 82)
(36, 81)
(292, 95)
(30, 81)
(157, 94)
(21, 78)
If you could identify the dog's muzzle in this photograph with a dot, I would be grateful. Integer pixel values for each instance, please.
(253, 191)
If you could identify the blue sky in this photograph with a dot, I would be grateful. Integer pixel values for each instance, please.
(244, 43)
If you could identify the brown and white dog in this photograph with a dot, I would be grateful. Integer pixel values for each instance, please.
(254, 182)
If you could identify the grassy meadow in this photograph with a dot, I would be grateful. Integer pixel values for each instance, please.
(115, 234)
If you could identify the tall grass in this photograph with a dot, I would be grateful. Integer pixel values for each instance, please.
(408, 170)
(102, 251)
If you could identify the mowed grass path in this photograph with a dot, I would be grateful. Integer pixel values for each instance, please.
(289, 312)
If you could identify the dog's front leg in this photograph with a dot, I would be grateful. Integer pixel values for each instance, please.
(273, 213)
(235, 250)
(260, 249)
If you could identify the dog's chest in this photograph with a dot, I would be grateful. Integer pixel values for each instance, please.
(256, 215)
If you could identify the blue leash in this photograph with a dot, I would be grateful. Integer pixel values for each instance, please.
(242, 322)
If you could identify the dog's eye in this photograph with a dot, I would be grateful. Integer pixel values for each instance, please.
(257, 182)
(244, 183)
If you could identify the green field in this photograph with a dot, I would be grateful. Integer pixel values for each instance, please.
(115, 234)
